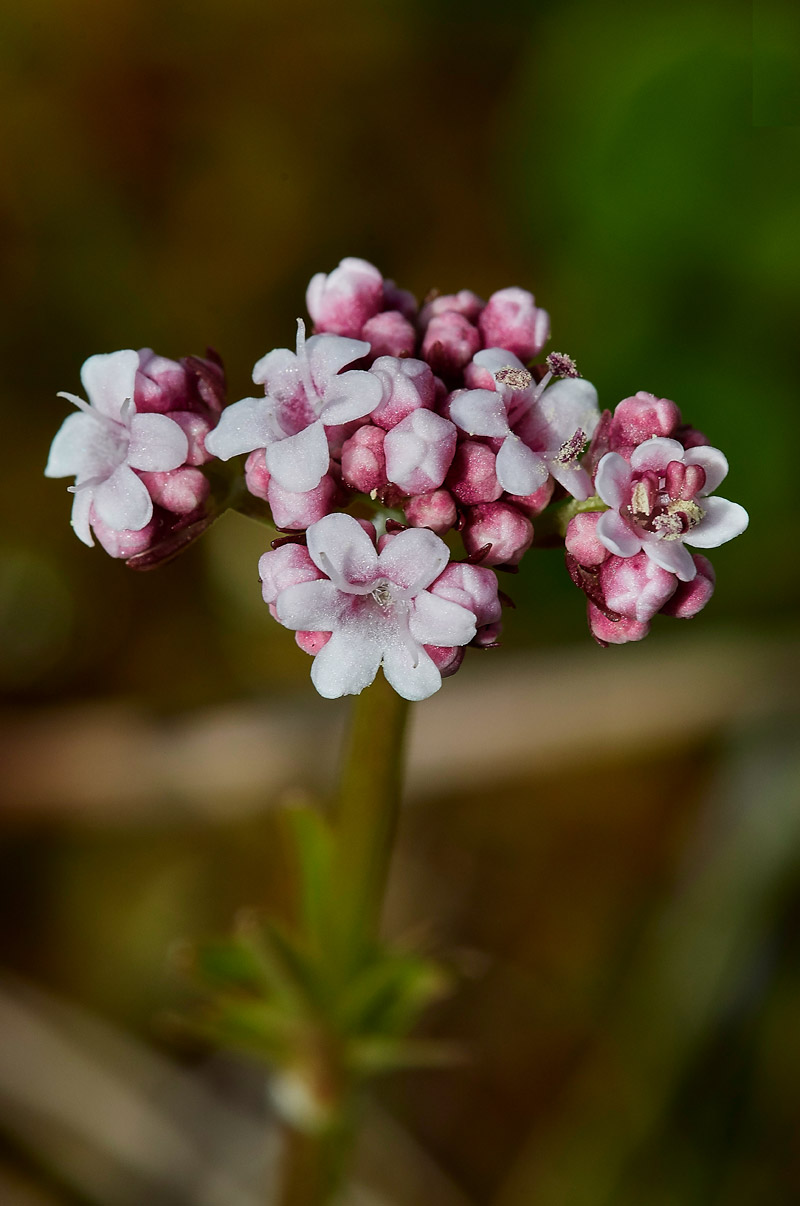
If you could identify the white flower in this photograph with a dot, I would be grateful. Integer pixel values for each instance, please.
(305, 392)
(377, 607)
(103, 445)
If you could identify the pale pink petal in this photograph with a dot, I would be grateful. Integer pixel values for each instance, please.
(346, 665)
(157, 443)
(413, 559)
(613, 480)
(519, 470)
(412, 673)
(567, 406)
(713, 461)
(657, 453)
(314, 606)
(73, 451)
(438, 621)
(672, 555)
(299, 462)
(351, 396)
(616, 535)
(122, 501)
(494, 359)
(246, 425)
(339, 546)
(419, 451)
(575, 480)
(722, 521)
(81, 506)
(279, 373)
(480, 412)
(110, 380)
(329, 354)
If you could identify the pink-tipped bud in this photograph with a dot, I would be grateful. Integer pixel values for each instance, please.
(435, 510)
(513, 321)
(449, 343)
(446, 658)
(473, 587)
(288, 565)
(256, 474)
(505, 529)
(195, 427)
(127, 543)
(297, 511)
(343, 300)
(472, 478)
(389, 334)
(363, 460)
(635, 587)
(614, 632)
(691, 597)
(638, 418)
(487, 636)
(408, 385)
(312, 642)
(532, 504)
(191, 384)
(419, 451)
(180, 491)
(395, 298)
(690, 437)
(464, 302)
(582, 540)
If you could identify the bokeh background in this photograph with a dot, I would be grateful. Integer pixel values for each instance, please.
(605, 842)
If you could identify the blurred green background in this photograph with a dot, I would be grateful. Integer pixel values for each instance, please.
(619, 870)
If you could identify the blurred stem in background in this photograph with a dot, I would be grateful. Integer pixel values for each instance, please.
(368, 802)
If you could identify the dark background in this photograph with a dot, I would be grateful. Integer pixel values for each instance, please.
(619, 869)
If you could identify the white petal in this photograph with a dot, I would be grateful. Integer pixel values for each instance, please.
(575, 480)
(81, 506)
(616, 535)
(311, 606)
(413, 675)
(656, 453)
(413, 559)
(122, 501)
(519, 470)
(157, 443)
(351, 396)
(713, 461)
(299, 462)
(329, 354)
(110, 380)
(72, 450)
(722, 521)
(567, 405)
(613, 480)
(494, 359)
(346, 665)
(480, 412)
(246, 425)
(279, 373)
(672, 555)
(339, 546)
(437, 621)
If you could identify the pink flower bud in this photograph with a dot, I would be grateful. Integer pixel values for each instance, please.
(487, 636)
(582, 540)
(399, 299)
(285, 566)
(297, 511)
(363, 460)
(637, 419)
(473, 587)
(124, 544)
(446, 658)
(691, 597)
(256, 474)
(532, 504)
(195, 427)
(614, 632)
(690, 437)
(464, 302)
(194, 384)
(419, 451)
(181, 491)
(635, 587)
(408, 385)
(342, 301)
(449, 343)
(513, 321)
(312, 642)
(472, 478)
(390, 334)
(504, 528)
(435, 510)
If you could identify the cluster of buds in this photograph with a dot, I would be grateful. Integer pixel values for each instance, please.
(389, 436)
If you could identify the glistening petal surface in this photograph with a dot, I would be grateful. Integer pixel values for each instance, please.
(722, 521)
(122, 501)
(519, 469)
(109, 380)
(346, 665)
(311, 606)
(157, 443)
(414, 676)
(480, 412)
(339, 546)
(414, 558)
(437, 621)
(299, 462)
(243, 427)
(616, 535)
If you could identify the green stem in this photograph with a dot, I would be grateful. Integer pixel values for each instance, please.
(313, 1166)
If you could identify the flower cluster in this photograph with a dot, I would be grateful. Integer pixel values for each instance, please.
(388, 436)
